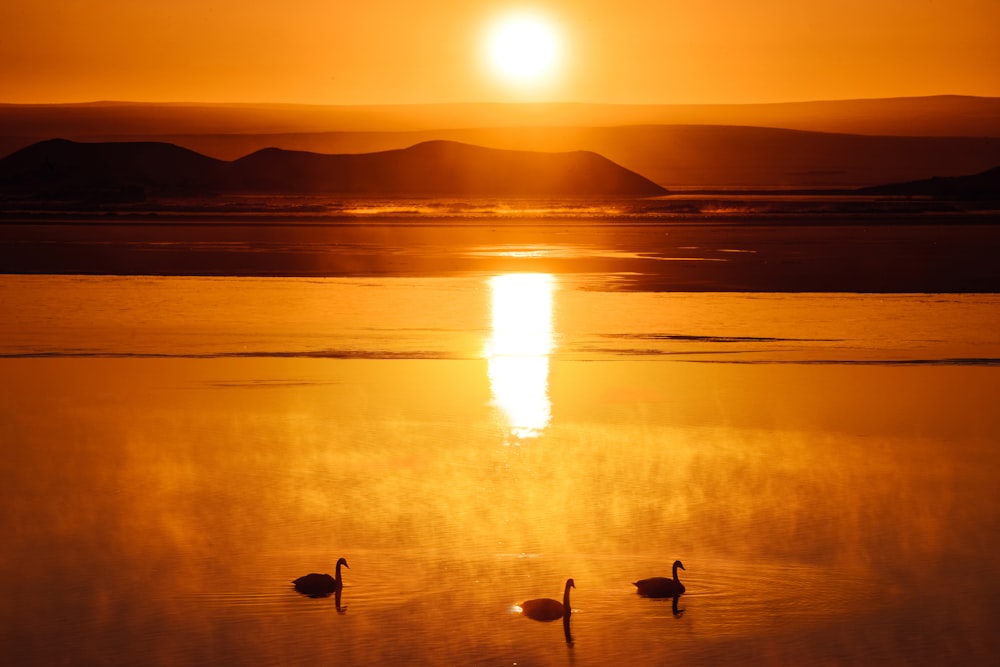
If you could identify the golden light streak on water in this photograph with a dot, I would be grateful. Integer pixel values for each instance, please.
(518, 350)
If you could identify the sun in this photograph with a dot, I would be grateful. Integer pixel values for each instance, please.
(523, 47)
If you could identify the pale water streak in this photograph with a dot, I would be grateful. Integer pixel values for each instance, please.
(177, 450)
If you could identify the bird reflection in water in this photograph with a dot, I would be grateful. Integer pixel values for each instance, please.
(518, 351)
(323, 585)
(547, 609)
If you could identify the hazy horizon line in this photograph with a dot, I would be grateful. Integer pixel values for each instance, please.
(129, 102)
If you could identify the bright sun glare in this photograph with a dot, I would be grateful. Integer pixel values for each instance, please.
(523, 47)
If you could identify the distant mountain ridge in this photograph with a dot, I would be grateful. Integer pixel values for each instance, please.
(846, 143)
(981, 186)
(63, 168)
(674, 155)
(934, 115)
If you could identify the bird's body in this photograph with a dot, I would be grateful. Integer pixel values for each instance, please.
(661, 587)
(543, 609)
(321, 585)
(547, 609)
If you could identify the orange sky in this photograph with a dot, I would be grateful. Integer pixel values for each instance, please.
(392, 51)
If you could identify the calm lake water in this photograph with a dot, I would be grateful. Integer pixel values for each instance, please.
(177, 450)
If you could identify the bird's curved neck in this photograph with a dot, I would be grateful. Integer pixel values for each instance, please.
(566, 608)
(675, 572)
(337, 573)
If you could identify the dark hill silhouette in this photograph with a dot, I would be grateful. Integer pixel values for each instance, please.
(835, 143)
(435, 168)
(62, 168)
(981, 186)
(440, 168)
(672, 155)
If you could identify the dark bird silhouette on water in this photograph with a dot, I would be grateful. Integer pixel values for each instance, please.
(547, 609)
(321, 585)
(661, 587)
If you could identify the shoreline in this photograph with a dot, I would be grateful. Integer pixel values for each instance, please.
(684, 209)
(927, 254)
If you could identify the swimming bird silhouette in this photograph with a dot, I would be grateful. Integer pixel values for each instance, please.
(661, 587)
(547, 609)
(321, 585)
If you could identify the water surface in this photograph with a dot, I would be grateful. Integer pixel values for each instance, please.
(178, 449)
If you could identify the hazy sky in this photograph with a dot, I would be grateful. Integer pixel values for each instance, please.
(422, 51)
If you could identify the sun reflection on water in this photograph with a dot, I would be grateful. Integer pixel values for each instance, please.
(518, 351)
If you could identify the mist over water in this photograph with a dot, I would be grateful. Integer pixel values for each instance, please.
(764, 242)
(178, 449)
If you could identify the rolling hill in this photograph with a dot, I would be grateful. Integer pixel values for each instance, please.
(67, 169)
(678, 155)
(981, 186)
(848, 143)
